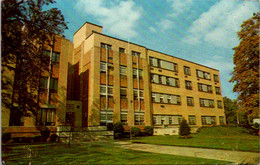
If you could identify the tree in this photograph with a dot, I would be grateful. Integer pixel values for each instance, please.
(184, 130)
(246, 70)
(230, 110)
(26, 29)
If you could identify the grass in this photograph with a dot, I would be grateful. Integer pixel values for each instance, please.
(90, 153)
(217, 137)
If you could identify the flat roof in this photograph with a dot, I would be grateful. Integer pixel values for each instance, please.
(150, 49)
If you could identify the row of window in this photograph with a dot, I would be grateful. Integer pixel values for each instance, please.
(121, 50)
(202, 87)
(155, 62)
(165, 80)
(53, 84)
(176, 120)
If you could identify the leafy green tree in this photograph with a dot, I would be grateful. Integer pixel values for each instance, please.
(246, 70)
(184, 129)
(26, 29)
(230, 110)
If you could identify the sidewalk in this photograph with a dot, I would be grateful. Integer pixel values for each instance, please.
(225, 155)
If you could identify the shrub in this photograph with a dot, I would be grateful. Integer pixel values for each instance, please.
(118, 130)
(135, 131)
(53, 138)
(45, 133)
(6, 137)
(256, 125)
(148, 130)
(37, 139)
(110, 126)
(184, 130)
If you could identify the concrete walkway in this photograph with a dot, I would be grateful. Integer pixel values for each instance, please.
(225, 155)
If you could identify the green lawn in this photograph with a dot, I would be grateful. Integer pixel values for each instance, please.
(91, 153)
(218, 137)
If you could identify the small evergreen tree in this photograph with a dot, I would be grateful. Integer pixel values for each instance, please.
(184, 130)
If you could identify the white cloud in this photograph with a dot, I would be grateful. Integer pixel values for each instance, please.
(118, 17)
(165, 24)
(152, 29)
(218, 26)
(180, 6)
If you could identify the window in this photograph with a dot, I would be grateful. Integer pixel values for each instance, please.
(202, 74)
(54, 85)
(43, 82)
(106, 46)
(134, 73)
(190, 101)
(139, 118)
(192, 120)
(166, 98)
(121, 50)
(204, 88)
(159, 79)
(163, 64)
(219, 102)
(123, 93)
(46, 117)
(173, 81)
(102, 67)
(206, 103)
(55, 58)
(186, 70)
(154, 78)
(141, 94)
(124, 118)
(140, 73)
(103, 90)
(221, 120)
(217, 90)
(106, 117)
(208, 120)
(166, 119)
(176, 119)
(123, 70)
(188, 85)
(216, 79)
(134, 53)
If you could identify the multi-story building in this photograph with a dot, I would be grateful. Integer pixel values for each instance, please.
(52, 93)
(118, 80)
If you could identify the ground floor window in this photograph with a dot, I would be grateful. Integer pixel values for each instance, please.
(192, 120)
(139, 118)
(208, 120)
(221, 120)
(166, 119)
(106, 117)
(46, 117)
(124, 118)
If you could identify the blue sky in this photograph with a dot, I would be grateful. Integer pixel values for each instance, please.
(202, 31)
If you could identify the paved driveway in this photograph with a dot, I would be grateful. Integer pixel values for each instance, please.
(226, 155)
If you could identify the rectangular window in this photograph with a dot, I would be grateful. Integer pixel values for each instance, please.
(176, 119)
(206, 103)
(106, 117)
(124, 118)
(103, 90)
(202, 74)
(140, 73)
(43, 82)
(54, 85)
(221, 120)
(139, 118)
(216, 79)
(217, 90)
(106, 46)
(123, 70)
(163, 64)
(166, 98)
(154, 78)
(187, 70)
(208, 120)
(190, 101)
(219, 102)
(192, 120)
(123, 93)
(134, 53)
(204, 88)
(134, 73)
(55, 58)
(46, 117)
(135, 94)
(153, 61)
(102, 67)
(188, 85)
(121, 50)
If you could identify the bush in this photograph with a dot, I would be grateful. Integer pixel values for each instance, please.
(53, 138)
(110, 126)
(6, 137)
(135, 131)
(45, 133)
(37, 139)
(148, 130)
(118, 130)
(184, 130)
(256, 125)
